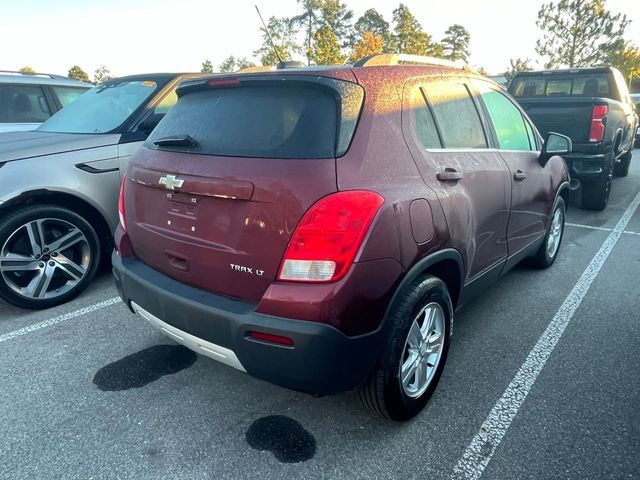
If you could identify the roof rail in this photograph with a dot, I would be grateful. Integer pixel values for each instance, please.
(380, 59)
(16, 72)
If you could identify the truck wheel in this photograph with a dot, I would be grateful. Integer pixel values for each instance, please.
(414, 354)
(548, 251)
(48, 255)
(621, 168)
(595, 194)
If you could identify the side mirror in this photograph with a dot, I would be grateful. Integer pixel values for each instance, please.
(555, 144)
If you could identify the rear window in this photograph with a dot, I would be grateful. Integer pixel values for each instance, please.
(587, 85)
(287, 119)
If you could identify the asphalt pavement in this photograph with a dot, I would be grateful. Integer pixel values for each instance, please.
(88, 390)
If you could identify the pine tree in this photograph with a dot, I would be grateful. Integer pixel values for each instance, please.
(207, 66)
(283, 32)
(455, 43)
(326, 48)
(517, 65)
(408, 36)
(579, 33)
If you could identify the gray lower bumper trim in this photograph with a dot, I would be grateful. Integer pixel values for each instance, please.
(211, 350)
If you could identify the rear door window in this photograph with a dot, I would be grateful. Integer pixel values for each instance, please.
(260, 119)
(456, 115)
(508, 121)
(424, 125)
(23, 104)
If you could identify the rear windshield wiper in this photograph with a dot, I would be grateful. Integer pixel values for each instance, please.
(177, 141)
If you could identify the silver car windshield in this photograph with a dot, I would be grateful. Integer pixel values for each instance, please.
(101, 109)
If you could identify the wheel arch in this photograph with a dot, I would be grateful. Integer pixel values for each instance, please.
(73, 202)
(446, 264)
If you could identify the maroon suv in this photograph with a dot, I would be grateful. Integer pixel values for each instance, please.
(318, 227)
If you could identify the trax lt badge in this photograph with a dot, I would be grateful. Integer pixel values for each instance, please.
(170, 182)
(251, 270)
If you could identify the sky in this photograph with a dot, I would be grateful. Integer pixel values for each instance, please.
(143, 36)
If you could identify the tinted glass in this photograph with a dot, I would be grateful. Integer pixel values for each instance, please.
(101, 109)
(23, 104)
(456, 114)
(507, 120)
(579, 84)
(66, 95)
(424, 125)
(293, 121)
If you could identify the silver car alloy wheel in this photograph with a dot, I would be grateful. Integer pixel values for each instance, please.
(422, 350)
(555, 233)
(45, 258)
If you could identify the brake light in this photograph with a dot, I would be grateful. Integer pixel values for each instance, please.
(123, 220)
(596, 134)
(329, 236)
(228, 82)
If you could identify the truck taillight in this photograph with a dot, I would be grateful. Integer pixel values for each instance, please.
(329, 236)
(123, 219)
(596, 134)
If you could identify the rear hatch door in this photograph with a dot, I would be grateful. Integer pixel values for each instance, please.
(215, 194)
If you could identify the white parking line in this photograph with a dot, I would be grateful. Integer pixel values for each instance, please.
(479, 452)
(58, 319)
(603, 229)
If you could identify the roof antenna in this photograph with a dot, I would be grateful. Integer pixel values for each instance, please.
(269, 35)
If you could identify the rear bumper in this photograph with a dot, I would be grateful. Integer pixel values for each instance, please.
(322, 359)
(585, 167)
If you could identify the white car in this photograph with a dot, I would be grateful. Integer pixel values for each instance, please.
(27, 100)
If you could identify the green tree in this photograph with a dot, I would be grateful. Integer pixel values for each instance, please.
(372, 21)
(27, 70)
(101, 74)
(408, 36)
(207, 66)
(77, 73)
(578, 33)
(232, 64)
(455, 43)
(627, 60)
(517, 65)
(335, 15)
(327, 49)
(283, 32)
(310, 21)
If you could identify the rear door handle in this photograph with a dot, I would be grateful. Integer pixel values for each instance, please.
(449, 175)
(519, 175)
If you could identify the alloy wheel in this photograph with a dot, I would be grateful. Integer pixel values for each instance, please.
(422, 350)
(45, 258)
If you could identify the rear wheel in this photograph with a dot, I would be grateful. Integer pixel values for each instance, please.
(415, 352)
(621, 168)
(595, 194)
(48, 255)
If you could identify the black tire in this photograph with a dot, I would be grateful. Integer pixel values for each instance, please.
(384, 394)
(542, 258)
(595, 194)
(56, 219)
(621, 168)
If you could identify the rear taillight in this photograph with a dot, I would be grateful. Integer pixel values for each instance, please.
(596, 134)
(329, 236)
(123, 219)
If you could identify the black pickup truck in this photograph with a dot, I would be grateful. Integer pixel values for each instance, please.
(593, 107)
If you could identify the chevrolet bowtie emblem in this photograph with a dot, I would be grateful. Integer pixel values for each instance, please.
(170, 182)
